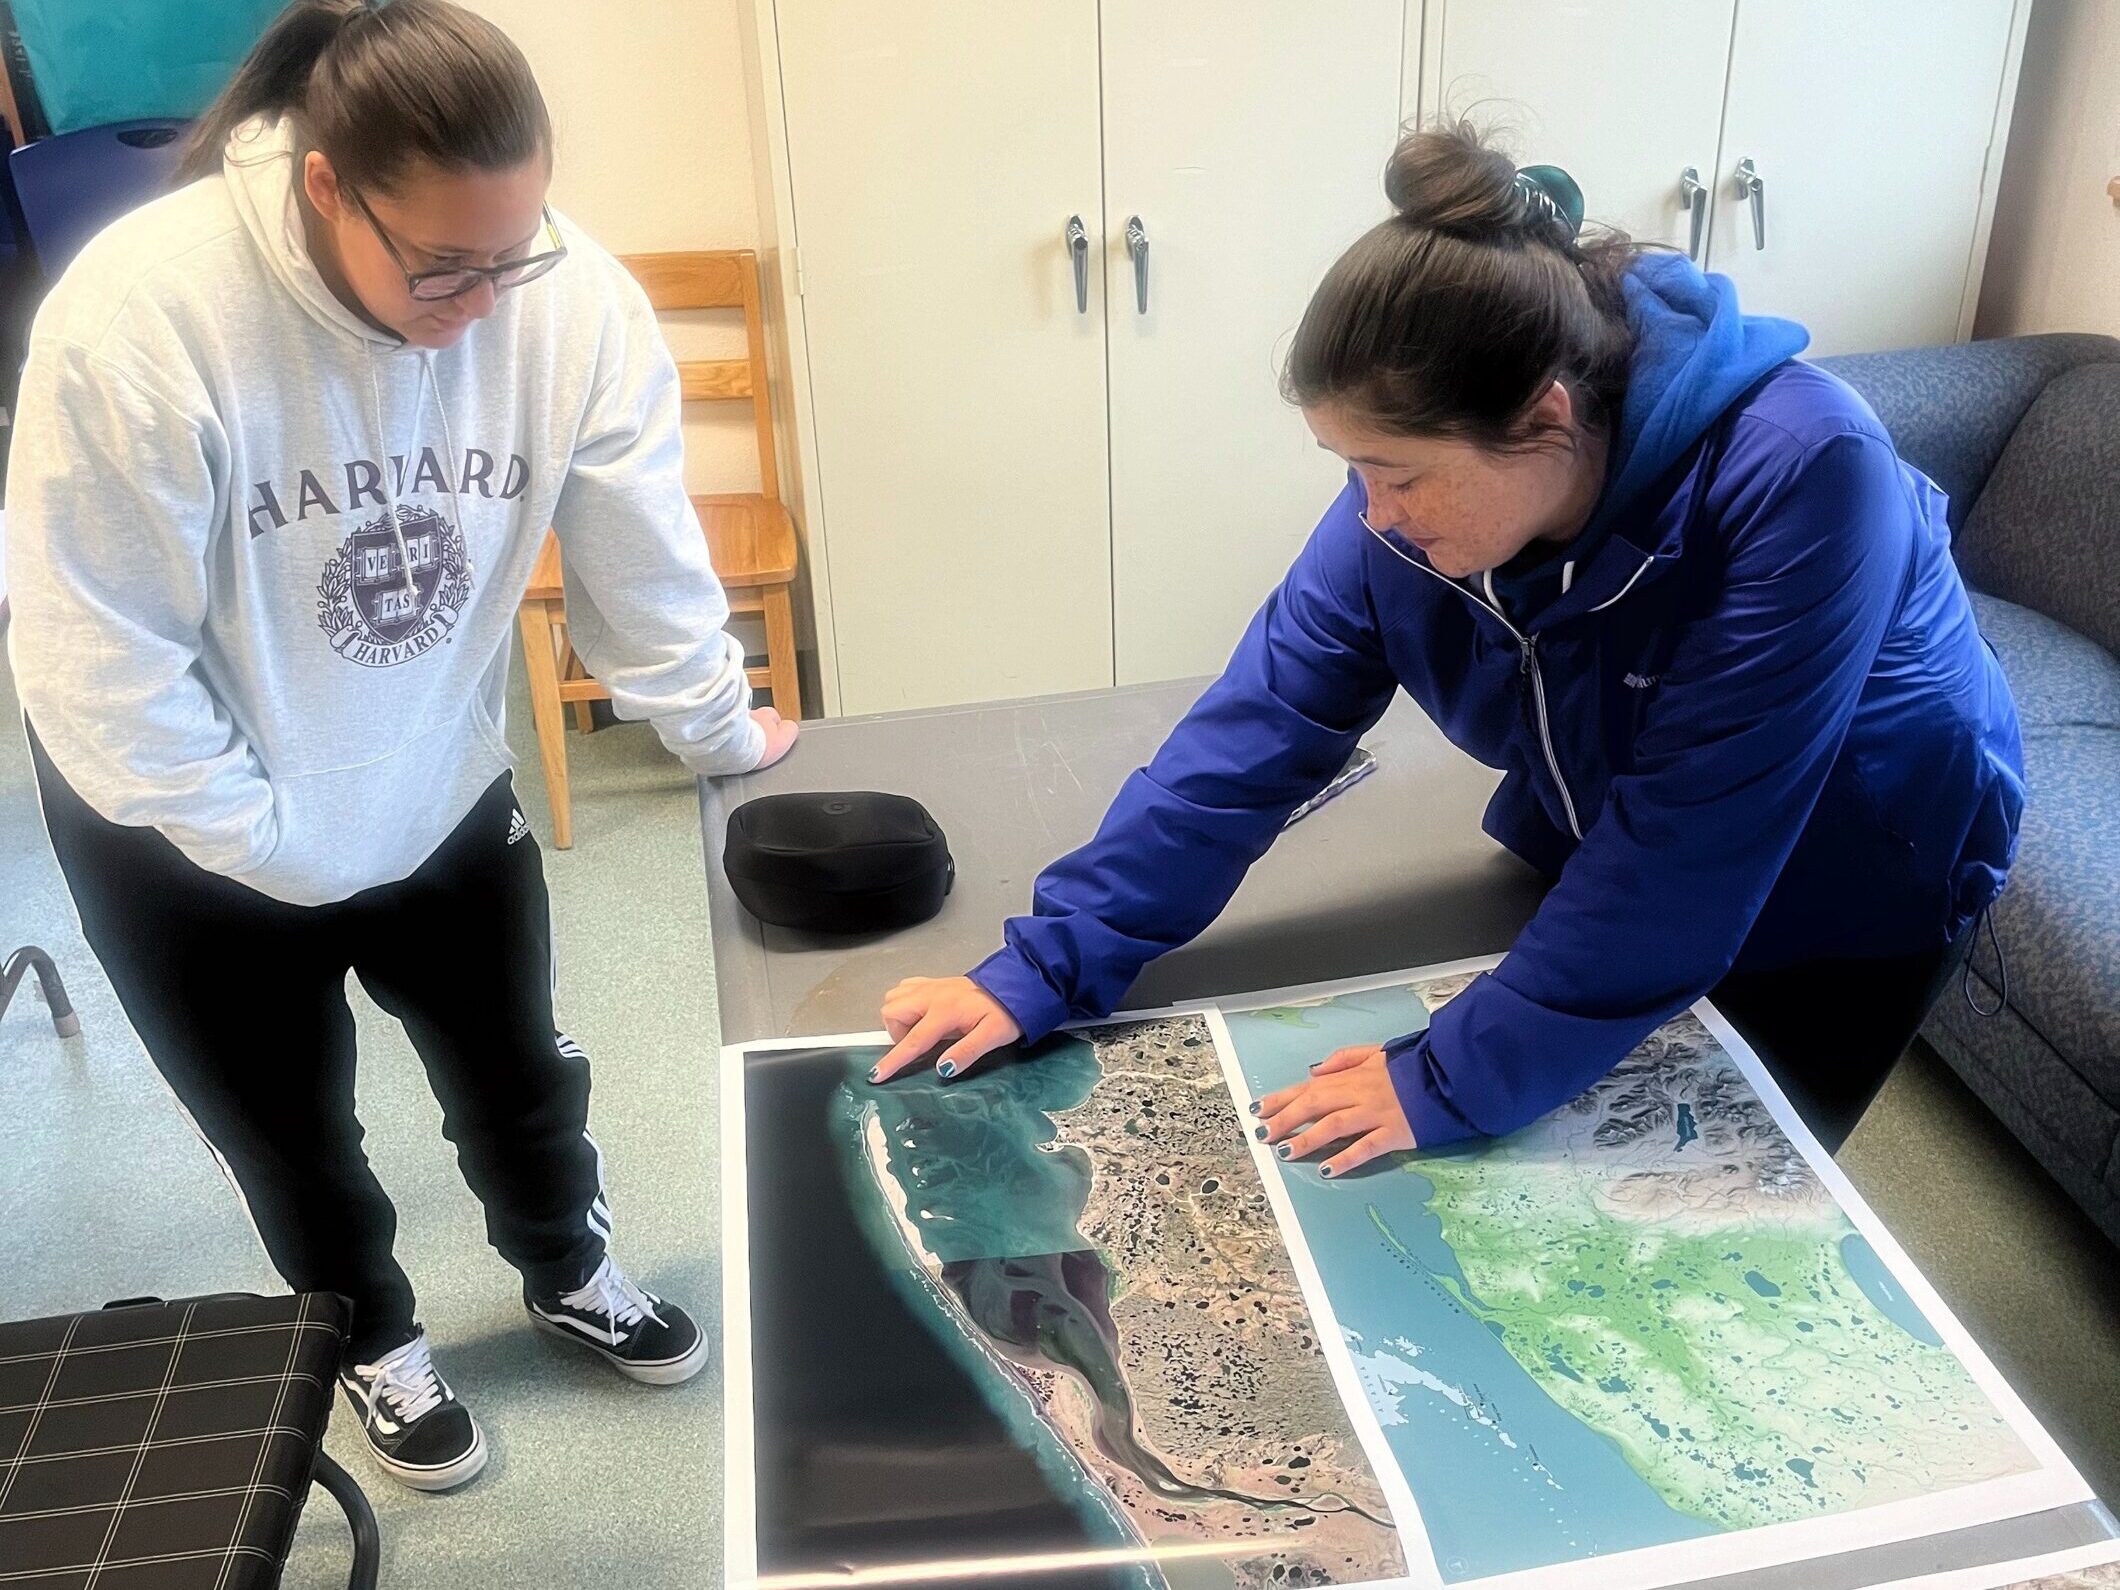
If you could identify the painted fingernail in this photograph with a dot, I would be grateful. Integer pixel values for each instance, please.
(1259, 1133)
(1325, 1171)
(875, 1073)
(1255, 1106)
(1283, 1151)
(948, 1068)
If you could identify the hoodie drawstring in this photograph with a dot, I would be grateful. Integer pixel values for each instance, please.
(382, 436)
(449, 458)
(456, 505)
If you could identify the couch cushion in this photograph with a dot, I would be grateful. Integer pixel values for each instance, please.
(2059, 919)
(2056, 675)
(2045, 533)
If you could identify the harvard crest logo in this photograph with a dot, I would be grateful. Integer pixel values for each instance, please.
(364, 602)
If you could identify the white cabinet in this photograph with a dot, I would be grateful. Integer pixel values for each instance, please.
(1249, 143)
(1033, 483)
(1010, 484)
(1625, 95)
(957, 392)
(1867, 124)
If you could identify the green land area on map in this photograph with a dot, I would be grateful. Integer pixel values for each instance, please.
(1644, 1319)
(1665, 1264)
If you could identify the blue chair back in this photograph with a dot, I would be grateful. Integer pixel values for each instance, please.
(72, 185)
(96, 63)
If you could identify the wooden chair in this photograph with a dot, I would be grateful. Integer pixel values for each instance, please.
(750, 535)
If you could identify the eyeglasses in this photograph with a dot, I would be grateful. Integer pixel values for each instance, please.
(453, 281)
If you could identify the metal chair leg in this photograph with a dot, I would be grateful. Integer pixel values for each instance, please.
(360, 1519)
(29, 958)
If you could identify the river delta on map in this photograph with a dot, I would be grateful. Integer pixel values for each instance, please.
(1641, 1320)
(1091, 1229)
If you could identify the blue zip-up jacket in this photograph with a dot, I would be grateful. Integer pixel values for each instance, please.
(1759, 727)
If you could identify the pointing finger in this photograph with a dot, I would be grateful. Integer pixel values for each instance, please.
(924, 1034)
(973, 1047)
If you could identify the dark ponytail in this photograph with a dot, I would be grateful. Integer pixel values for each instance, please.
(1451, 318)
(377, 87)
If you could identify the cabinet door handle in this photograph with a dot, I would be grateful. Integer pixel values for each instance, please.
(1137, 246)
(1077, 236)
(1693, 197)
(1751, 186)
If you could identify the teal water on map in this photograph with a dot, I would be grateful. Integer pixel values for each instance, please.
(1886, 1293)
(996, 1202)
(1505, 1478)
(977, 1160)
(976, 1171)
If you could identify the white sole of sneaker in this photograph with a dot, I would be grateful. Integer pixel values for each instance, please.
(670, 1372)
(446, 1477)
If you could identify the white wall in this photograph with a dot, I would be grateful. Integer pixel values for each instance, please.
(2054, 260)
(654, 152)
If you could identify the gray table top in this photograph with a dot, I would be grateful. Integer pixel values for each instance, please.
(1394, 873)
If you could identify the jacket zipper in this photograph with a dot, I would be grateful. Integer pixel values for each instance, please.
(1529, 643)
(1527, 650)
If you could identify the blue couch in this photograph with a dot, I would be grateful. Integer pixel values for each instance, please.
(2024, 433)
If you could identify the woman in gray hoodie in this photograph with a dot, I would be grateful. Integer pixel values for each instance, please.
(288, 442)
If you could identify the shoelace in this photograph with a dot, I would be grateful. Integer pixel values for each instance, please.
(405, 1379)
(611, 1293)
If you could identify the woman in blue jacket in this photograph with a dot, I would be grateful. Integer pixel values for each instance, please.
(1678, 587)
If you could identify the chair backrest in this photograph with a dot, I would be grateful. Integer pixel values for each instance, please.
(2047, 527)
(1950, 410)
(74, 184)
(94, 62)
(718, 279)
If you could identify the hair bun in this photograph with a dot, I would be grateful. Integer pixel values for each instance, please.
(1451, 178)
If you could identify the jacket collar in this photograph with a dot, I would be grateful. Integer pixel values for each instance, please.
(1618, 567)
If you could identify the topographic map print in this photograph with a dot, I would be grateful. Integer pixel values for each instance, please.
(1092, 1227)
(1641, 1320)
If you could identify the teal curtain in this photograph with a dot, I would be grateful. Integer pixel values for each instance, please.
(100, 61)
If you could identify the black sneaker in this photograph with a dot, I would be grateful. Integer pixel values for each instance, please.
(643, 1337)
(418, 1433)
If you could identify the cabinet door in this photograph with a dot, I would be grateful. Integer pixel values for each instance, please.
(1624, 95)
(1249, 137)
(1867, 122)
(937, 149)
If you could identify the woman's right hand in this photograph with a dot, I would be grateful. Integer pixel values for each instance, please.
(924, 1011)
(780, 735)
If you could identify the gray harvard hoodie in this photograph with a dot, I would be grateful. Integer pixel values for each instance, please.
(265, 560)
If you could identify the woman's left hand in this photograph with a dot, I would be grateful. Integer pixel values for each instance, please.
(1348, 1099)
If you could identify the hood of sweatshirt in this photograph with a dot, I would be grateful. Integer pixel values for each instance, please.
(1695, 354)
(261, 168)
